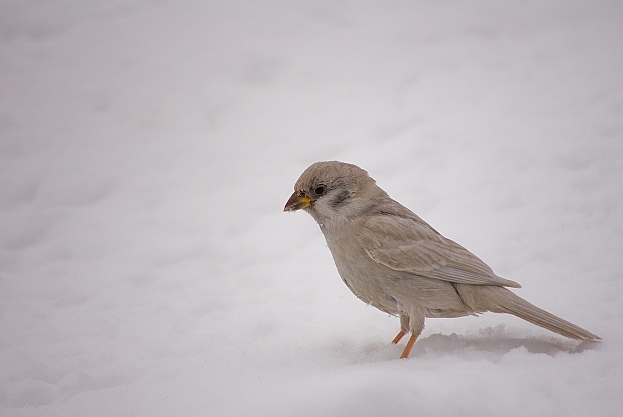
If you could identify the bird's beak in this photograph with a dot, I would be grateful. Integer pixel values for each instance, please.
(297, 202)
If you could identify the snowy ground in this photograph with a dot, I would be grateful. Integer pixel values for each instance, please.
(147, 149)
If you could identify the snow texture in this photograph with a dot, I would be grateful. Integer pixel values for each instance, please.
(147, 149)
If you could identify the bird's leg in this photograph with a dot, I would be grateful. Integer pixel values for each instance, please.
(398, 337)
(405, 353)
(404, 328)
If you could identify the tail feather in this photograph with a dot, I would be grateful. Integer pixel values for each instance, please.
(511, 303)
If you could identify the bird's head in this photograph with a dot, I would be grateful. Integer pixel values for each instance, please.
(333, 191)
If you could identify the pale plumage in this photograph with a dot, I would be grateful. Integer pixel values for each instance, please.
(392, 259)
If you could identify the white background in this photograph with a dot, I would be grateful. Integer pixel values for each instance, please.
(147, 149)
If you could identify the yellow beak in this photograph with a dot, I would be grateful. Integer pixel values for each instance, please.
(297, 202)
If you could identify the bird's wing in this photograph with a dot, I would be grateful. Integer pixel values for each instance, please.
(411, 245)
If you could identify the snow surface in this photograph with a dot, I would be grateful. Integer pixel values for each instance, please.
(147, 149)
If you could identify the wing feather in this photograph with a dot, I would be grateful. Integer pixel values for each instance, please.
(409, 244)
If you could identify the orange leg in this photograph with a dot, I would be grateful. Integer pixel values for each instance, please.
(398, 337)
(405, 353)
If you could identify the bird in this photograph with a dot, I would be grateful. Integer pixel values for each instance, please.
(393, 260)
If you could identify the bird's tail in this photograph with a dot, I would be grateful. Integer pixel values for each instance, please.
(509, 302)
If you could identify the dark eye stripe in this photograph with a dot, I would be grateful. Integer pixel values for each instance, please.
(340, 198)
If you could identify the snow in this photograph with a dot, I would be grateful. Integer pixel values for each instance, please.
(147, 149)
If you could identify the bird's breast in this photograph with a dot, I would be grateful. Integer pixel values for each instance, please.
(361, 274)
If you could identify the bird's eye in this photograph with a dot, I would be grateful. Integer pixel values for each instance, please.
(320, 190)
